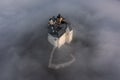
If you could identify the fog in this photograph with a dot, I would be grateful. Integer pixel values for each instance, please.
(25, 51)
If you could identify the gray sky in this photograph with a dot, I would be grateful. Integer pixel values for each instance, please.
(24, 49)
